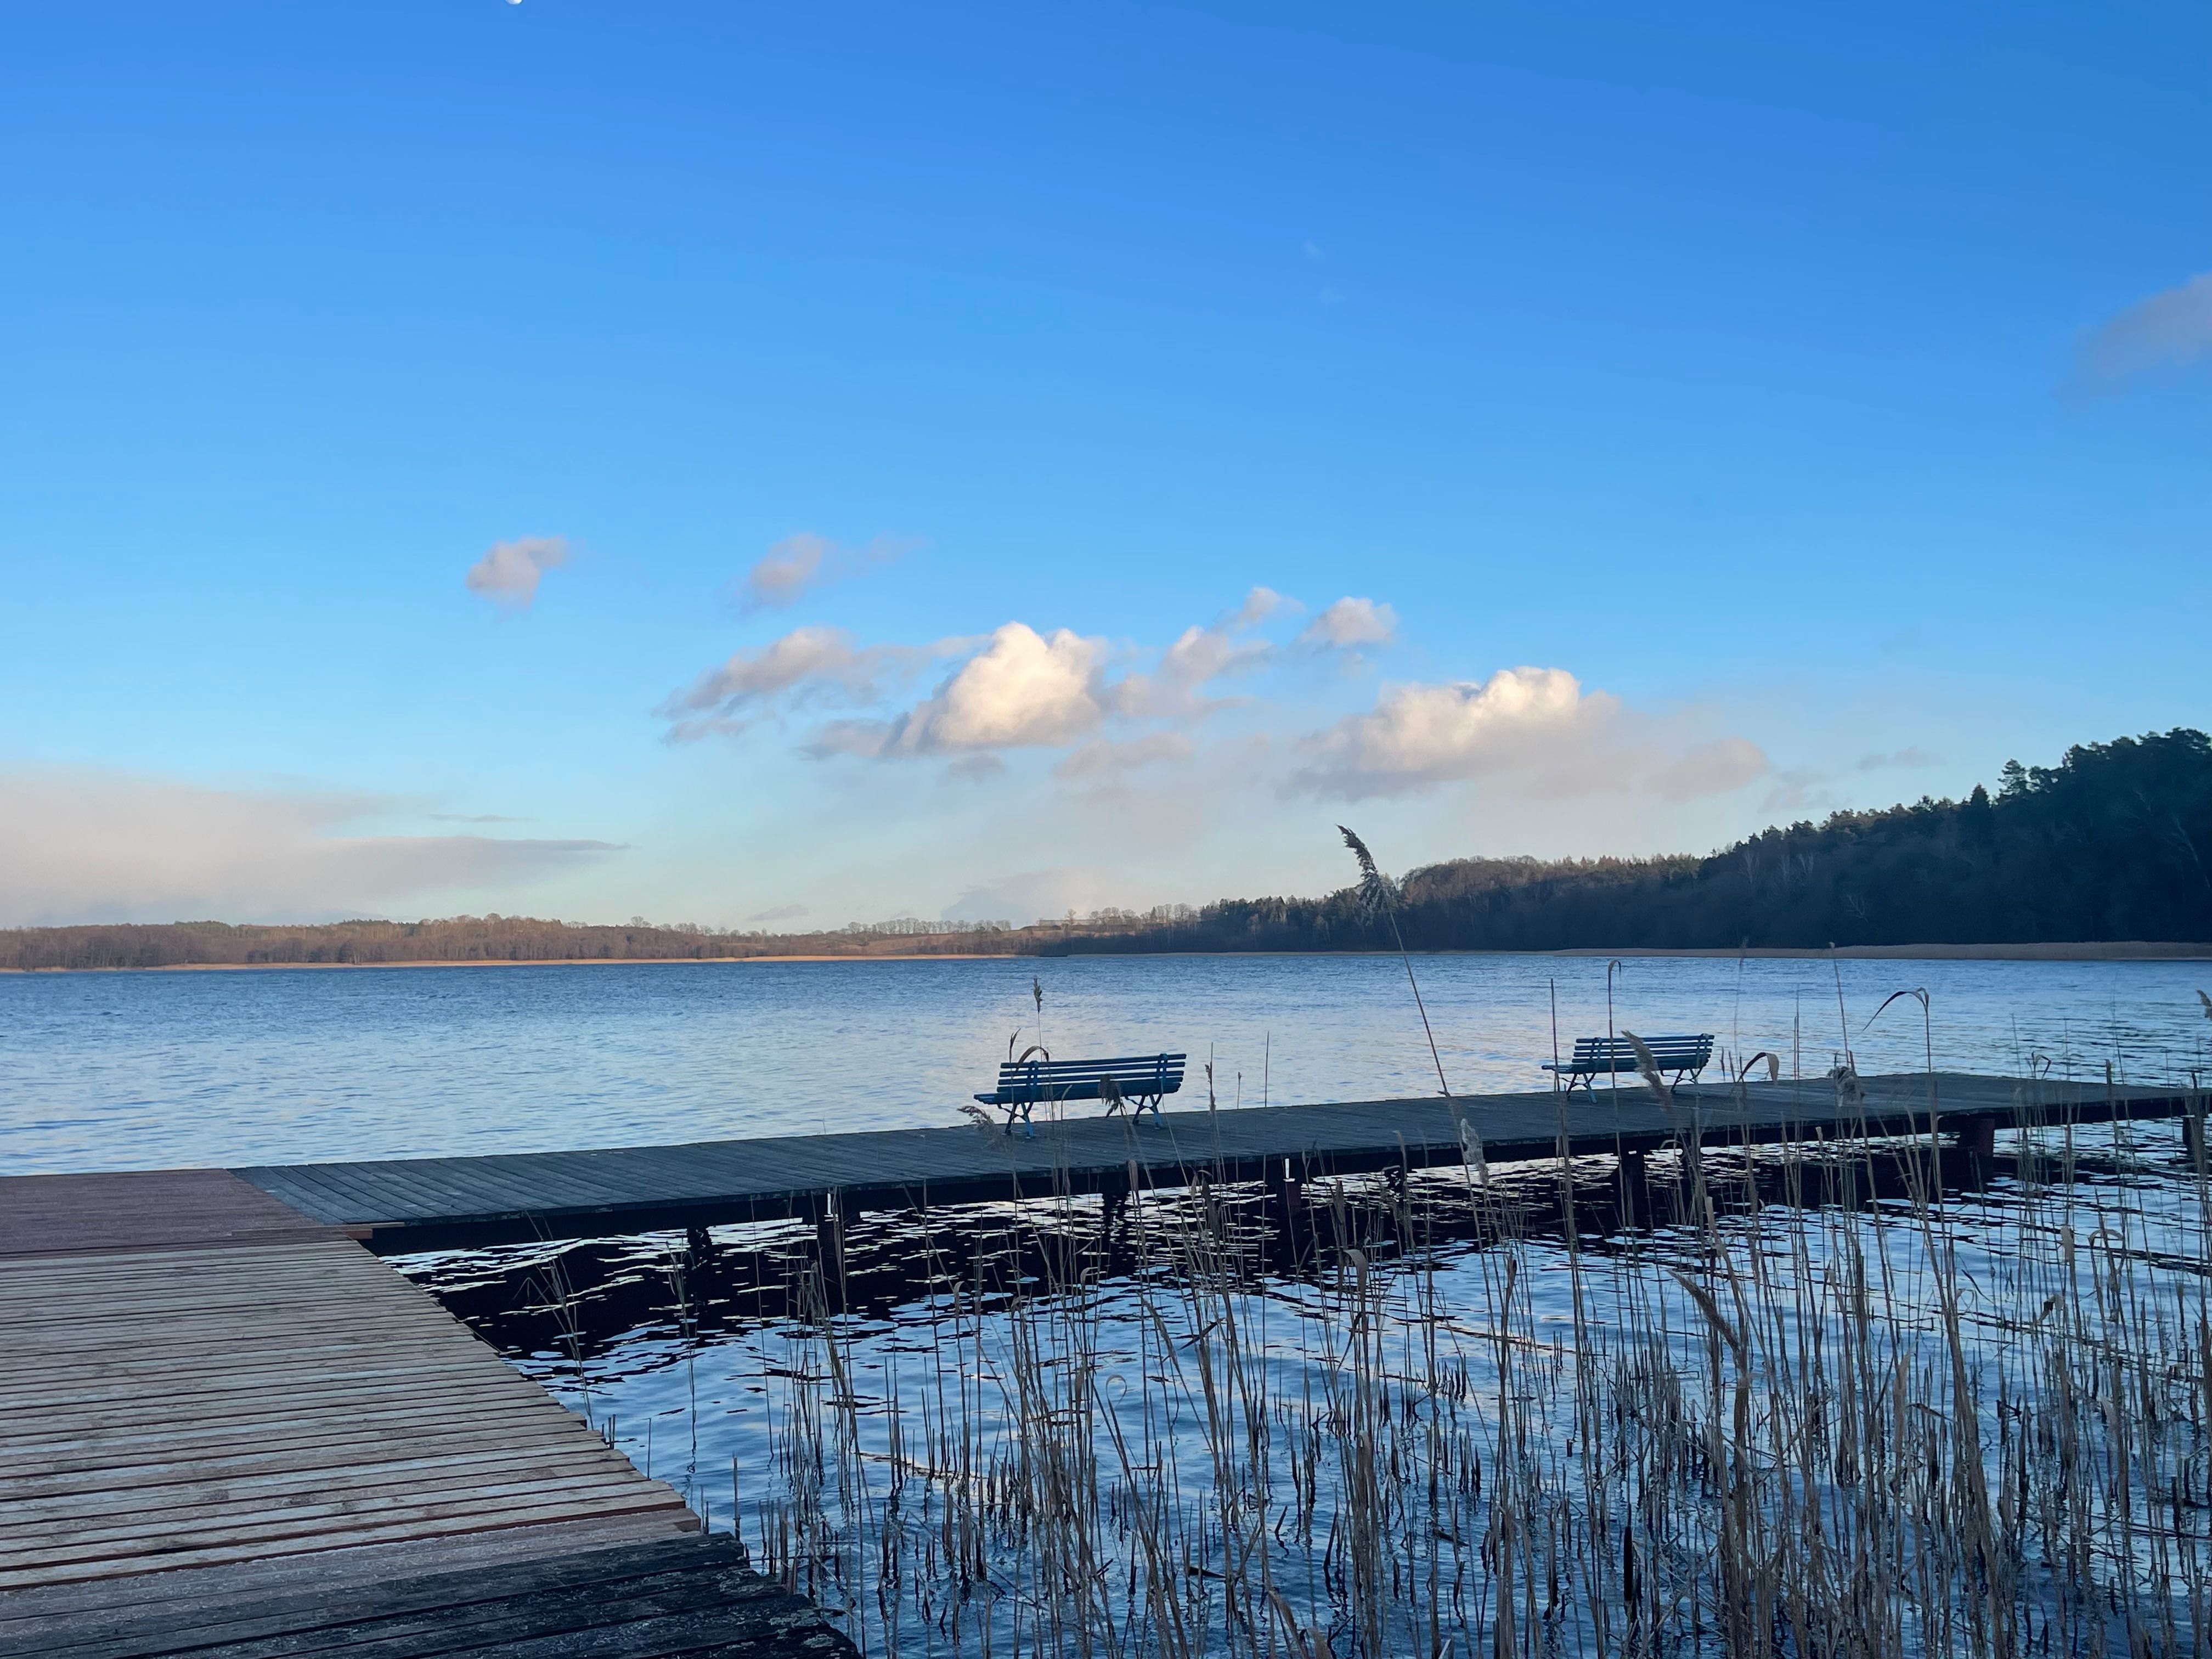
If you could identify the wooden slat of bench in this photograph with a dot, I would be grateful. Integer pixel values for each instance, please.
(1146, 1085)
(1172, 1059)
(1146, 1068)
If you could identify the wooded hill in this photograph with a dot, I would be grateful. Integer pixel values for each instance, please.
(2112, 843)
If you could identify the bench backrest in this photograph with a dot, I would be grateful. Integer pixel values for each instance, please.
(1667, 1052)
(1079, 1079)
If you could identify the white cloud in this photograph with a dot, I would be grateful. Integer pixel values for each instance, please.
(81, 845)
(2169, 329)
(784, 572)
(779, 913)
(1016, 688)
(808, 661)
(1199, 656)
(1022, 690)
(1421, 735)
(1351, 623)
(509, 574)
(1710, 769)
(1260, 604)
(1537, 725)
(805, 561)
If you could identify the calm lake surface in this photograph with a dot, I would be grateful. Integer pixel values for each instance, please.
(149, 1069)
(1418, 1334)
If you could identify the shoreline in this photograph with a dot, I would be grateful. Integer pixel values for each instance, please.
(2090, 951)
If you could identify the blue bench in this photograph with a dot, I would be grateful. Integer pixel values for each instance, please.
(1139, 1082)
(1596, 1057)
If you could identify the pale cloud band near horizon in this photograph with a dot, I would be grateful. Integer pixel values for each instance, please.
(83, 846)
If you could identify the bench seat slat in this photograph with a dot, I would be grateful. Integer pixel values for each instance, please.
(1125, 1062)
(1123, 1083)
(1089, 1071)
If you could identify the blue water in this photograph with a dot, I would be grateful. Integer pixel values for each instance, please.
(150, 1070)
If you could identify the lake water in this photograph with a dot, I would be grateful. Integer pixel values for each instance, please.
(149, 1069)
(1016, 1391)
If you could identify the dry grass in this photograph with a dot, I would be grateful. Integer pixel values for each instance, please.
(1869, 1425)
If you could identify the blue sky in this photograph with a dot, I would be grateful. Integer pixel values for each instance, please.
(1710, 416)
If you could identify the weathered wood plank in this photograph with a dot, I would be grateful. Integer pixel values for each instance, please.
(159, 1411)
(243, 1435)
(266, 1543)
(641, 1598)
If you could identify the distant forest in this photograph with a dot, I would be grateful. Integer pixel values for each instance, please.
(2110, 844)
(460, 939)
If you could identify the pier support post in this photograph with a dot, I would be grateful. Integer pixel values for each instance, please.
(1285, 1205)
(1977, 1140)
(833, 1212)
(2192, 1137)
(1635, 1187)
(1113, 1193)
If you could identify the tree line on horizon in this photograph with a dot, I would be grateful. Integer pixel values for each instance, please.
(2110, 844)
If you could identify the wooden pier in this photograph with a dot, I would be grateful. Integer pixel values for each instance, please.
(229, 1426)
(415, 1204)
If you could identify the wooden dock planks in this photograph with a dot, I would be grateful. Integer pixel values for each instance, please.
(428, 1203)
(205, 1404)
(154, 1209)
(229, 1428)
(539, 1593)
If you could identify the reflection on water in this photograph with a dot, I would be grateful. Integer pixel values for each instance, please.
(1355, 1419)
(121, 1071)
